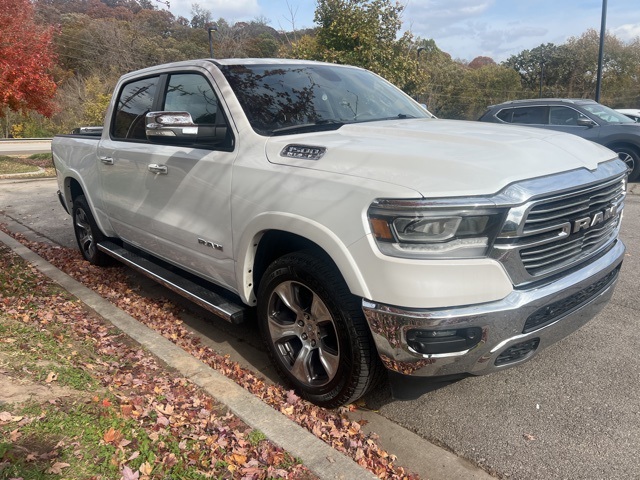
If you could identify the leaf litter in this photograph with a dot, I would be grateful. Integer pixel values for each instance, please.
(184, 412)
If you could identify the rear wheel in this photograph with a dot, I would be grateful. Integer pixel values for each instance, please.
(87, 232)
(315, 330)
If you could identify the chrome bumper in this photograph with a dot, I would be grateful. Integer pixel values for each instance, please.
(578, 297)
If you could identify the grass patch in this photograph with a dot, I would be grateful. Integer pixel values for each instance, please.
(11, 166)
(255, 437)
(77, 439)
(28, 166)
(39, 354)
(42, 156)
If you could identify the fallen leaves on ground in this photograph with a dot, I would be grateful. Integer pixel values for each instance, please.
(194, 415)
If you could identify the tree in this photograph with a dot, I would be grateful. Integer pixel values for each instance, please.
(570, 69)
(363, 33)
(529, 65)
(480, 62)
(26, 60)
(200, 16)
(484, 86)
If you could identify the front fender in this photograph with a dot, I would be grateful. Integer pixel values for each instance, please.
(303, 227)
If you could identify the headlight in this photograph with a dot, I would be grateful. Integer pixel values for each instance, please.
(424, 229)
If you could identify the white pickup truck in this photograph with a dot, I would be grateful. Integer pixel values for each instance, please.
(357, 230)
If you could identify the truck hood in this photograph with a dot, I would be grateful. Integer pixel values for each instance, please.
(442, 157)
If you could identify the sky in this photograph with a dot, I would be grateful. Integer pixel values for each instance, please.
(463, 28)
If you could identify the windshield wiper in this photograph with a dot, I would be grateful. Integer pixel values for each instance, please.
(319, 126)
(400, 116)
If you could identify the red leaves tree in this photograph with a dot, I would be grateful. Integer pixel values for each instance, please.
(26, 60)
(480, 62)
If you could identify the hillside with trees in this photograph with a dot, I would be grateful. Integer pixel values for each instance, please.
(60, 59)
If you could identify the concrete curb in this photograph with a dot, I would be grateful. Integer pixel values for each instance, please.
(320, 458)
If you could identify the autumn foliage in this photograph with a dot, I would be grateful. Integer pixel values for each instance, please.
(26, 60)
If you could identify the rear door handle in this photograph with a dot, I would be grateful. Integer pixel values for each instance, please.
(107, 160)
(158, 169)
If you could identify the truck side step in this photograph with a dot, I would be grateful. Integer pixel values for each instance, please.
(207, 299)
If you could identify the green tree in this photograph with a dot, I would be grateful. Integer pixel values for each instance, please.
(484, 86)
(570, 70)
(529, 64)
(363, 33)
(619, 69)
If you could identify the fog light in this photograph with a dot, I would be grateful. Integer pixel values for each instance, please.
(517, 352)
(443, 341)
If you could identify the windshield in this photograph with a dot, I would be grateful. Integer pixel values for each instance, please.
(279, 99)
(607, 114)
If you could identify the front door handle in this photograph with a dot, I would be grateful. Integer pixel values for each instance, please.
(107, 160)
(158, 169)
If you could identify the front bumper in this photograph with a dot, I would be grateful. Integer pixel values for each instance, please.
(547, 313)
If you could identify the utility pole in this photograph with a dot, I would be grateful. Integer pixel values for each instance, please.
(603, 31)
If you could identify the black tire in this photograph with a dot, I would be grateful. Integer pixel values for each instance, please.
(631, 157)
(315, 331)
(87, 232)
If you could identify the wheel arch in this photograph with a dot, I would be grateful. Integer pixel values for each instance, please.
(73, 186)
(72, 189)
(623, 144)
(272, 236)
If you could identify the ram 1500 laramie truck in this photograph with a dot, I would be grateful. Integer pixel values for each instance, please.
(358, 230)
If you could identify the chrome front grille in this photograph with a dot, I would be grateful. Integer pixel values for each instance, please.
(559, 222)
(569, 215)
(556, 254)
(574, 203)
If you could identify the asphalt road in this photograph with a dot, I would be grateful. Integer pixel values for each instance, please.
(24, 147)
(572, 413)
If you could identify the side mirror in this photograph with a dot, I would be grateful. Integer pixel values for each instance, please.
(586, 122)
(178, 127)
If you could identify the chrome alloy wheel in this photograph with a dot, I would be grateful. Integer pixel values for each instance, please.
(84, 233)
(628, 159)
(303, 333)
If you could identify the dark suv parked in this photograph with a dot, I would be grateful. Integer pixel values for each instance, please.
(582, 117)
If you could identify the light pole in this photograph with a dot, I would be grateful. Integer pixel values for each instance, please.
(541, 75)
(420, 50)
(603, 31)
(211, 30)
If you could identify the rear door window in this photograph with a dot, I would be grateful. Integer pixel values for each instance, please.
(525, 115)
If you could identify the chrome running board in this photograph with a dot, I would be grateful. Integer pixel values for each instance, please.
(207, 299)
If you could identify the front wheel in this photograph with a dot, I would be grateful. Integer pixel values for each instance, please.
(315, 330)
(87, 232)
(631, 158)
